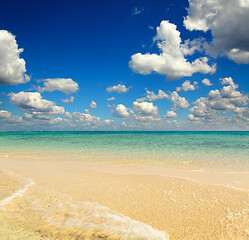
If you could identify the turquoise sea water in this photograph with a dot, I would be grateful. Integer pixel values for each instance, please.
(30, 211)
(189, 148)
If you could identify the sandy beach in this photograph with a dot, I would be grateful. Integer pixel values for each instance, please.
(185, 203)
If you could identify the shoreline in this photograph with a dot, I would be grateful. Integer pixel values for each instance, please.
(183, 202)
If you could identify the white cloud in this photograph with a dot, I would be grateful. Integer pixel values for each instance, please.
(70, 100)
(227, 20)
(12, 67)
(151, 96)
(120, 111)
(228, 81)
(85, 119)
(179, 102)
(218, 101)
(119, 89)
(147, 118)
(170, 114)
(109, 122)
(34, 103)
(123, 124)
(111, 99)
(206, 82)
(4, 114)
(137, 11)
(145, 111)
(145, 108)
(66, 85)
(186, 86)
(93, 105)
(171, 61)
(189, 47)
(7, 118)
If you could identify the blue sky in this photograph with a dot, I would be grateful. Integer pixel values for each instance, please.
(92, 51)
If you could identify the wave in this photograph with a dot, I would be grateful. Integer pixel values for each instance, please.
(55, 216)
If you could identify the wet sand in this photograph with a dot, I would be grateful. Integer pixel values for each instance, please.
(187, 203)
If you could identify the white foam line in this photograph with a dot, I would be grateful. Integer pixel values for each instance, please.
(142, 230)
(19, 192)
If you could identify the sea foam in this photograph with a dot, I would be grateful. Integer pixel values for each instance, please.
(57, 216)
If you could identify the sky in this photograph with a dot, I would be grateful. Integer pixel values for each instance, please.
(124, 65)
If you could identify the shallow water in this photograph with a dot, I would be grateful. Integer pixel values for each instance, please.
(30, 212)
(38, 213)
(189, 148)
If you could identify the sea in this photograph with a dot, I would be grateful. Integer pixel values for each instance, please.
(227, 149)
(30, 212)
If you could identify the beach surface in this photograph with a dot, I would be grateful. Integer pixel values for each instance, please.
(91, 200)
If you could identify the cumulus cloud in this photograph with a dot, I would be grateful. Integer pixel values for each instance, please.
(37, 106)
(145, 111)
(120, 111)
(171, 61)
(7, 118)
(145, 108)
(93, 105)
(186, 86)
(228, 98)
(12, 67)
(206, 82)
(227, 20)
(170, 114)
(111, 99)
(119, 89)
(151, 96)
(4, 114)
(69, 100)
(109, 122)
(179, 102)
(66, 85)
(84, 119)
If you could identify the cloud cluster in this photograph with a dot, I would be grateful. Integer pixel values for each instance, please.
(145, 111)
(206, 82)
(171, 61)
(187, 86)
(7, 118)
(4, 114)
(66, 85)
(83, 119)
(120, 111)
(179, 102)
(93, 105)
(151, 96)
(120, 88)
(33, 103)
(227, 20)
(228, 98)
(12, 67)
(68, 100)
(111, 99)
(145, 108)
(170, 114)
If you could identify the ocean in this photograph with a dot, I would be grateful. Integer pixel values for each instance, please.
(225, 149)
(31, 211)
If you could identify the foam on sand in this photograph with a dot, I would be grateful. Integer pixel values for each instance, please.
(53, 215)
